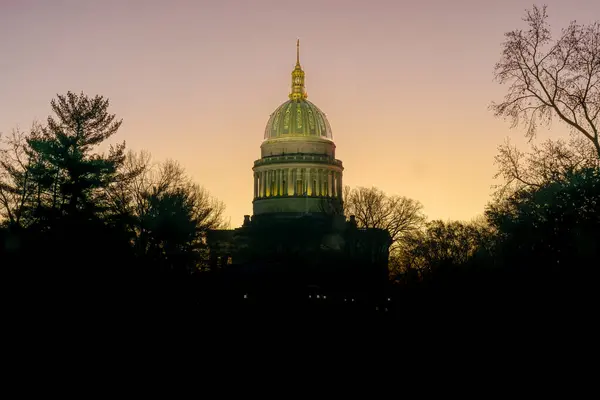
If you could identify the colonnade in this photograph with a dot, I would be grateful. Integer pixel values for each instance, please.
(297, 182)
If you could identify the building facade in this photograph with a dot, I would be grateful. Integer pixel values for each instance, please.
(298, 227)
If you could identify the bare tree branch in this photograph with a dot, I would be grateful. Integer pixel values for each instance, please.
(374, 209)
(546, 162)
(549, 77)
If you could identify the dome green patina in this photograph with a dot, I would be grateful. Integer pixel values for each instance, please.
(298, 118)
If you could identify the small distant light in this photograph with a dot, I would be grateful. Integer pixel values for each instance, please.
(345, 299)
(376, 308)
(318, 297)
(324, 297)
(386, 309)
(352, 299)
(389, 299)
(309, 296)
(245, 296)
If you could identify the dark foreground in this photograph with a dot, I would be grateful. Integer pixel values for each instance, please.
(153, 295)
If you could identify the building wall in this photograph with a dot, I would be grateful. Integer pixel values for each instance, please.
(297, 145)
(289, 205)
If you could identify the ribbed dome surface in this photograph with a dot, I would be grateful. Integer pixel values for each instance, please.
(298, 118)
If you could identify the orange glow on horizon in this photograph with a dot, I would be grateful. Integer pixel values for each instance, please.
(406, 86)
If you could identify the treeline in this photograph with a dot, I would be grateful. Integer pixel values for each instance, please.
(82, 224)
(76, 221)
(539, 237)
(539, 240)
(112, 227)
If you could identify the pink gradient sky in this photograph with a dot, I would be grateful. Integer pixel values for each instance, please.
(406, 84)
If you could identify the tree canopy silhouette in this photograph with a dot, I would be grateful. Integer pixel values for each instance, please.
(553, 225)
(443, 244)
(52, 172)
(375, 209)
(546, 162)
(165, 213)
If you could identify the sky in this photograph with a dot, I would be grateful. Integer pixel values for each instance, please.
(406, 85)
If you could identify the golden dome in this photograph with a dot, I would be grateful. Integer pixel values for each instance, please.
(298, 116)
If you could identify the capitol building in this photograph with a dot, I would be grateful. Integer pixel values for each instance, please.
(297, 172)
(298, 232)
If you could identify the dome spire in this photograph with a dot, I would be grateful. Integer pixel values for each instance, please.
(298, 90)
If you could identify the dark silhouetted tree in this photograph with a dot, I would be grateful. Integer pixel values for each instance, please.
(372, 208)
(443, 244)
(551, 78)
(547, 162)
(53, 170)
(552, 226)
(17, 186)
(166, 213)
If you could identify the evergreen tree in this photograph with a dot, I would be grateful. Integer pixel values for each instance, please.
(71, 178)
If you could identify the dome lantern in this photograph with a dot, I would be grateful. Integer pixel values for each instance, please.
(298, 89)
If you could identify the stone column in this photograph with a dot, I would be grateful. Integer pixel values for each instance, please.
(254, 187)
(305, 174)
(280, 175)
(290, 182)
(286, 182)
(319, 172)
(281, 179)
(266, 182)
(258, 183)
(339, 182)
(306, 179)
(335, 184)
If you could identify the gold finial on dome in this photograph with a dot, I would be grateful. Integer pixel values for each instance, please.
(298, 90)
